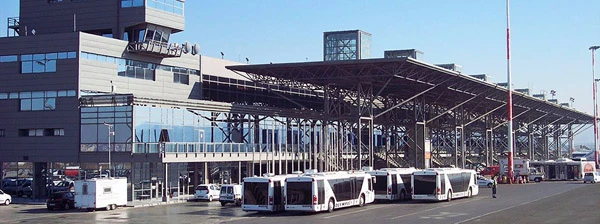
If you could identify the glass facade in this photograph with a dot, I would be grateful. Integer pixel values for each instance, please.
(346, 45)
(365, 45)
(94, 134)
(171, 6)
(179, 124)
(341, 46)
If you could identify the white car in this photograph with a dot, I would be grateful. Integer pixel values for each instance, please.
(208, 192)
(5, 198)
(591, 177)
(482, 181)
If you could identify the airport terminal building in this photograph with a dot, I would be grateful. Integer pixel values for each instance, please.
(89, 86)
(80, 78)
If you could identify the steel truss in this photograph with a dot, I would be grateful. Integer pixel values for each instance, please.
(423, 114)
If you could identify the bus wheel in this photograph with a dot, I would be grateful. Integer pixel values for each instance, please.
(402, 195)
(330, 205)
(449, 196)
(361, 201)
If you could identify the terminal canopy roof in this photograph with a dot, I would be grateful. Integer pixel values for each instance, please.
(404, 78)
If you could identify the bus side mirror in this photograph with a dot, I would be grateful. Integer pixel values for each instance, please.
(374, 179)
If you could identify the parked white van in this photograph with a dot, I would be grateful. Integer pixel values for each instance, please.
(592, 177)
(231, 193)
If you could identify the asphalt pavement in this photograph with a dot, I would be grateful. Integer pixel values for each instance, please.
(546, 202)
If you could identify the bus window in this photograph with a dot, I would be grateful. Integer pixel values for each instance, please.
(424, 184)
(256, 193)
(380, 185)
(299, 193)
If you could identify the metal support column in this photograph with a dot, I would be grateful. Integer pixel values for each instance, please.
(166, 190)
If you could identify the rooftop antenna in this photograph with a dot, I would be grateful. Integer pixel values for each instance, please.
(247, 61)
(222, 55)
(195, 49)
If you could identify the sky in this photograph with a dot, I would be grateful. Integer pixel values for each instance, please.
(549, 39)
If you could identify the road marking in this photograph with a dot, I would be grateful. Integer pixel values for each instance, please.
(431, 209)
(348, 213)
(504, 209)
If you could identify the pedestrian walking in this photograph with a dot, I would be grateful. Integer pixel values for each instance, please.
(494, 183)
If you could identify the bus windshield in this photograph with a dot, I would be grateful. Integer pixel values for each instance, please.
(299, 193)
(256, 193)
(424, 184)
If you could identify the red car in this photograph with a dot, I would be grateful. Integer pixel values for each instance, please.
(490, 170)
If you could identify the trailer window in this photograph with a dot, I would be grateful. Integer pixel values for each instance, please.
(84, 189)
(107, 190)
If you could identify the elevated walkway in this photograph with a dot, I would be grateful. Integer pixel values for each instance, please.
(172, 157)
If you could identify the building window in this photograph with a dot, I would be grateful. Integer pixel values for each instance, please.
(142, 70)
(1, 132)
(174, 6)
(131, 3)
(8, 58)
(31, 132)
(40, 63)
(55, 132)
(39, 132)
(37, 101)
(181, 75)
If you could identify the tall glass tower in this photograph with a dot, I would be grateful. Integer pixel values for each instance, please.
(346, 45)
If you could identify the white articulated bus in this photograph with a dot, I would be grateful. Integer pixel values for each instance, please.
(264, 194)
(327, 191)
(440, 184)
(392, 183)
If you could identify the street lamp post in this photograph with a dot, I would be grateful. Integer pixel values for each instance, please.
(110, 132)
(593, 49)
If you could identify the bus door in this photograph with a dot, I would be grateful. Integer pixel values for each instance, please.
(278, 200)
(570, 172)
(394, 185)
(551, 172)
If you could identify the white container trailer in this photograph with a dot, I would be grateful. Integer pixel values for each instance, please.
(95, 193)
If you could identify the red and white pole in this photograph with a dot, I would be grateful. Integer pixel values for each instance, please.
(509, 133)
(595, 90)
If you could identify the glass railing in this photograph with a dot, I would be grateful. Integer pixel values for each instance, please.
(197, 147)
